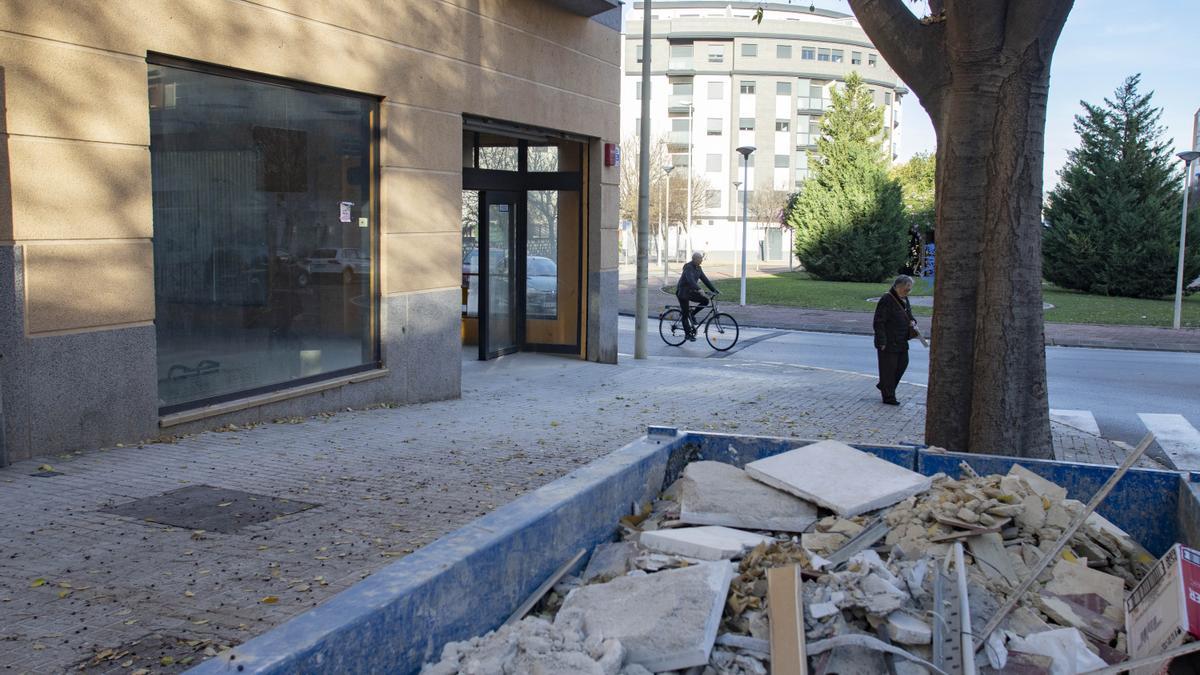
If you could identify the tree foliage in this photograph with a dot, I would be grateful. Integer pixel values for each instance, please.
(916, 178)
(1113, 219)
(849, 217)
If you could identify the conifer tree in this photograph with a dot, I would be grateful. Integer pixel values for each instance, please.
(1113, 218)
(849, 218)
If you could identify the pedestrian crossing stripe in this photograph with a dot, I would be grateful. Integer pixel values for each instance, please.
(1177, 438)
(1083, 420)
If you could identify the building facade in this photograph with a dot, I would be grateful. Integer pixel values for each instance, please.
(720, 80)
(218, 212)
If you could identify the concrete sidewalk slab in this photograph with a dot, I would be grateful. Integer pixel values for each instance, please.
(841, 478)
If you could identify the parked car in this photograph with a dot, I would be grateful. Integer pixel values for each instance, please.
(541, 283)
(349, 263)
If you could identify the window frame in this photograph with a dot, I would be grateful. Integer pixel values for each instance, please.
(750, 50)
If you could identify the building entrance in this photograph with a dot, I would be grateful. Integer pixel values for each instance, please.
(523, 234)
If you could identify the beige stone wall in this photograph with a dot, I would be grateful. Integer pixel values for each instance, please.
(78, 122)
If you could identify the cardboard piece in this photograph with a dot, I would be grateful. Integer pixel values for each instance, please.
(785, 609)
(843, 479)
(1164, 606)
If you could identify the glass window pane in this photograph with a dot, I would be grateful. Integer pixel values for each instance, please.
(808, 53)
(749, 49)
(838, 55)
(783, 88)
(264, 235)
(783, 51)
(747, 86)
(823, 54)
(497, 153)
(541, 158)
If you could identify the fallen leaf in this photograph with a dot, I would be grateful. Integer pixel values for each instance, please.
(269, 600)
(201, 622)
(38, 582)
(167, 660)
(46, 467)
(189, 594)
(37, 646)
(224, 504)
(63, 593)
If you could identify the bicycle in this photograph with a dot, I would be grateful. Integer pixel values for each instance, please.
(720, 329)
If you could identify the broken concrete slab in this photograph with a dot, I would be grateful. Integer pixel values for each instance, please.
(1099, 592)
(908, 629)
(711, 542)
(716, 493)
(822, 541)
(665, 621)
(834, 475)
(990, 555)
(609, 561)
(1039, 485)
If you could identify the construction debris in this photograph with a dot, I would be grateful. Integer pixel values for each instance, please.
(891, 581)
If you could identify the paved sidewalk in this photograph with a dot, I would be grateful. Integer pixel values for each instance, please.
(859, 323)
(82, 586)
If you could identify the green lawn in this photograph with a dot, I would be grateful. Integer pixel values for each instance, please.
(797, 289)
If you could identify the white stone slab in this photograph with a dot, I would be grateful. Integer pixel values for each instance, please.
(716, 493)
(1177, 437)
(711, 542)
(666, 621)
(838, 477)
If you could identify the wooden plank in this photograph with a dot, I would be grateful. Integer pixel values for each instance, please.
(785, 611)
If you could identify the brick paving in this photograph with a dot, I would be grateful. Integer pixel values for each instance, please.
(859, 323)
(75, 582)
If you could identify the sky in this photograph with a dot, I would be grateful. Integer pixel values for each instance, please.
(1103, 42)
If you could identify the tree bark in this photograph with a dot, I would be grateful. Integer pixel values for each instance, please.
(982, 74)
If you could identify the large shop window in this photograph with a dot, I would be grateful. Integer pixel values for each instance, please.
(265, 233)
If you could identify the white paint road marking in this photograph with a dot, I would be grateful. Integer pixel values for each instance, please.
(1176, 437)
(1080, 419)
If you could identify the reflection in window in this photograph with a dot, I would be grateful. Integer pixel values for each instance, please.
(264, 233)
(541, 268)
(542, 157)
(470, 247)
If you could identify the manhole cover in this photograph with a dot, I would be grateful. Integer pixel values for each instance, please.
(213, 509)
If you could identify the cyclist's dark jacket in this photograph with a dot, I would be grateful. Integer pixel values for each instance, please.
(689, 281)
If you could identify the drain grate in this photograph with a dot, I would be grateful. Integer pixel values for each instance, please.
(213, 509)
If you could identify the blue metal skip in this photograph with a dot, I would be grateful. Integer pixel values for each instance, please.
(467, 582)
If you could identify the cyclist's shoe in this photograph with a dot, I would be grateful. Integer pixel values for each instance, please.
(691, 337)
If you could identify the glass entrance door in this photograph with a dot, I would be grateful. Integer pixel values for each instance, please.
(501, 306)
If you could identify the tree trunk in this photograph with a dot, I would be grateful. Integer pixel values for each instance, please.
(982, 73)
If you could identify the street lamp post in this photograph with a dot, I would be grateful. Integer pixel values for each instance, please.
(666, 220)
(688, 222)
(1188, 157)
(737, 185)
(746, 151)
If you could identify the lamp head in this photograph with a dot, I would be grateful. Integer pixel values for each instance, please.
(668, 168)
(746, 150)
(1189, 156)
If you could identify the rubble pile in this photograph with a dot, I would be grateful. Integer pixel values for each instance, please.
(687, 586)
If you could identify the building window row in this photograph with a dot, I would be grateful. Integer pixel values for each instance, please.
(807, 53)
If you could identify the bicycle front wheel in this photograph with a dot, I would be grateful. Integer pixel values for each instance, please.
(670, 327)
(721, 331)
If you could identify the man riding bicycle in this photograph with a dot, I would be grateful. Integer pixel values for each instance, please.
(688, 291)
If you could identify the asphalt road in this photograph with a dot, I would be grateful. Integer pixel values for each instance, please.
(1114, 384)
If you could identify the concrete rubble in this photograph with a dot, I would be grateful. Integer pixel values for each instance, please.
(661, 595)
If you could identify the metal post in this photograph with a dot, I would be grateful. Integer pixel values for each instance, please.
(691, 121)
(666, 221)
(1188, 158)
(746, 151)
(737, 185)
(643, 231)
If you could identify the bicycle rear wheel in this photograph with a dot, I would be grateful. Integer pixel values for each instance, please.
(721, 331)
(670, 327)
